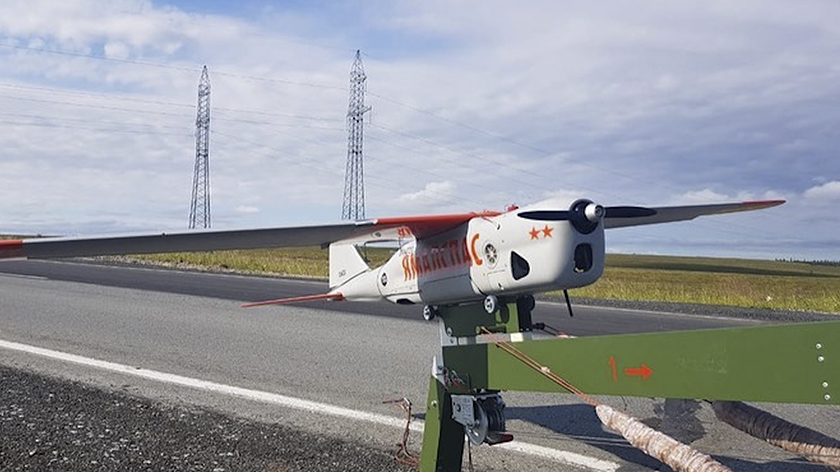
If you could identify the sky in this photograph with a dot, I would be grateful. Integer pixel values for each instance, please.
(474, 105)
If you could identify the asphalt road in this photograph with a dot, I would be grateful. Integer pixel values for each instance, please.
(588, 320)
(344, 355)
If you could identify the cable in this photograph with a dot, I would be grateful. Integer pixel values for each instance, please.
(113, 130)
(101, 107)
(110, 97)
(163, 113)
(195, 70)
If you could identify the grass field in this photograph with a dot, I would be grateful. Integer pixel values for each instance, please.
(295, 262)
(735, 282)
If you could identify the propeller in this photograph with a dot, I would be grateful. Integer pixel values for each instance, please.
(585, 215)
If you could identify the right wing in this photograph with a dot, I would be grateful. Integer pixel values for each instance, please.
(182, 241)
(620, 217)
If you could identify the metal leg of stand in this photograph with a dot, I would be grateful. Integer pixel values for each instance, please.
(443, 438)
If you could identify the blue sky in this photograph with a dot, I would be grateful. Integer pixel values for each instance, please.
(475, 105)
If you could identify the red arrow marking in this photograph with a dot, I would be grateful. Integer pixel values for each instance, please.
(612, 367)
(644, 372)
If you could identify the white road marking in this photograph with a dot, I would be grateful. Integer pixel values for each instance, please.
(562, 457)
(655, 313)
(170, 269)
(23, 276)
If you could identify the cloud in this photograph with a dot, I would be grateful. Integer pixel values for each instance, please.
(475, 105)
(247, 209)
(432, 193)
(706, 196)
(116, 49)
(826, 191)
(567, 196)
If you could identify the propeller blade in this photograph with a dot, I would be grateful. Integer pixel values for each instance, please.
(546, 215)
(628, 212)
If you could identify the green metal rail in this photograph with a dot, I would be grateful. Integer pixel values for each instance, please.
(788, 363)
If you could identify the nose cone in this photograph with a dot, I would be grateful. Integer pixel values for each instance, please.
(593, 212)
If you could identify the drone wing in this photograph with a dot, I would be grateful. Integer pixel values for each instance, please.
(382, 229)
(623, 216)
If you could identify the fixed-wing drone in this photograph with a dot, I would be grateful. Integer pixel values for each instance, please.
(442, 260)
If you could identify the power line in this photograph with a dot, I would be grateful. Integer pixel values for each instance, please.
(325, 86)
(112, 97)
(721, 227)
(172, 67)
(494, 135)
(179, 115)
(86, 120)
(90, 128)
(90, 105)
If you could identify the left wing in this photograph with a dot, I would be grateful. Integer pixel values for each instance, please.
(620, 217)
(215, 240)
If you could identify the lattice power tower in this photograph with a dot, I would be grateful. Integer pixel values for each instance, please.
(200, 206)
(353, 207)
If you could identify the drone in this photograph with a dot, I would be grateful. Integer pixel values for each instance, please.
(441, 260)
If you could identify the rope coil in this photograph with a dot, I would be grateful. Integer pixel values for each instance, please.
(402, 454)
(812, 445)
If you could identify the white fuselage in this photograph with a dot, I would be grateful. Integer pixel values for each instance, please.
(504, 255)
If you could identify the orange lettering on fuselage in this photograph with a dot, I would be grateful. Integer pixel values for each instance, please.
(477, 260)
(460, 252)
(454, 256)
(406, 265)
(415, 270)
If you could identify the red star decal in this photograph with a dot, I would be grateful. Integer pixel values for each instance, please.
(547, 231)
(535, 233)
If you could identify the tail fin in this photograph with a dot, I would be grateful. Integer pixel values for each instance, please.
(345, 263)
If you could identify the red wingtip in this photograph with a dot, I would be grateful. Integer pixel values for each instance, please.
(11, 248)
(307, 298)
(764, 203)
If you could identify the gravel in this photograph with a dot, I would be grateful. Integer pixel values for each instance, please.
(52, 424)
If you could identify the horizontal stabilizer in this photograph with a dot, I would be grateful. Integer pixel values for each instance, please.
(307, 298)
